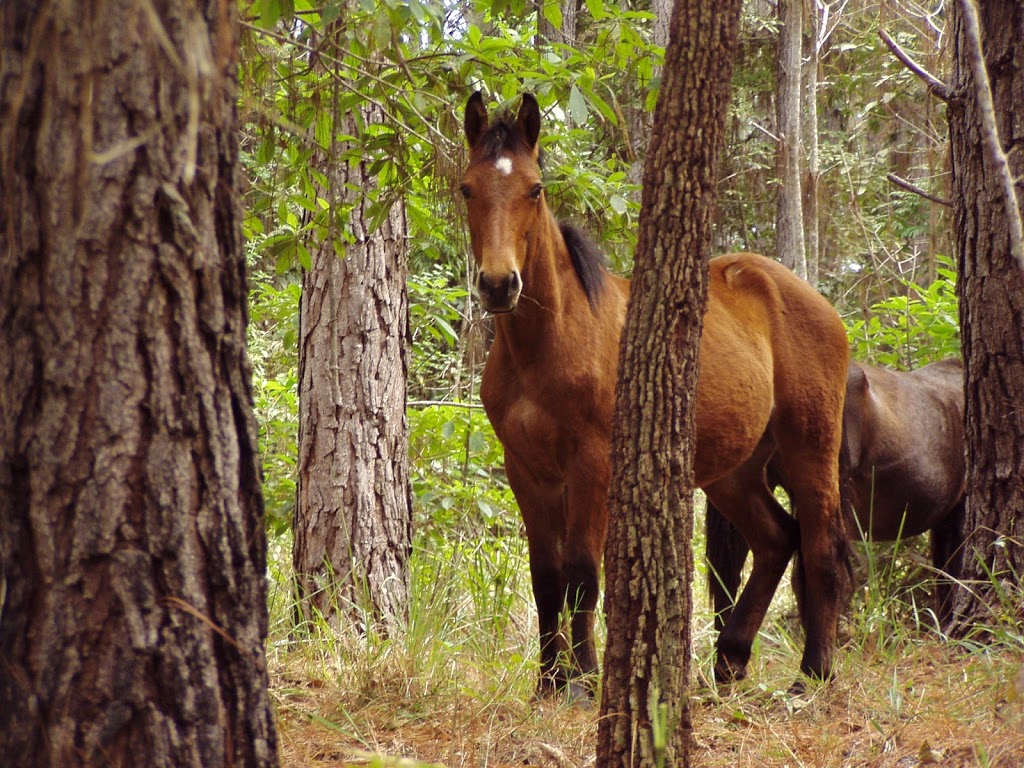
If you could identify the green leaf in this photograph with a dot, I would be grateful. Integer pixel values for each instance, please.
(553, 13)
(596, 8)
(618, 204)
(305, 260)
(268, 13)
(331, 13)
(577, 106)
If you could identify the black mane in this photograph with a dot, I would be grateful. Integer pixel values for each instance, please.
(587, 260)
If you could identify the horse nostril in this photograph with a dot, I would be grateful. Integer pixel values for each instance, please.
(515, 282)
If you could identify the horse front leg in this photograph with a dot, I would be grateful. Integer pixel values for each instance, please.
(543, 510)
(587, 524)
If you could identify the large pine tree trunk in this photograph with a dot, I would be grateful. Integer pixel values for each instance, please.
(991, 291)
(648, 558)
(353, 519)
(131, 518)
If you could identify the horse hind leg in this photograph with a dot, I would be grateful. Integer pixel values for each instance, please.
(726, 551)
(772, 534)
(823, 575)
(946, 541)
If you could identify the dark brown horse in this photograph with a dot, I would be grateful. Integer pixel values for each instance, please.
(901, 473)
(773, 372)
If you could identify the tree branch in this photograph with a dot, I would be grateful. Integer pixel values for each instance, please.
(935, 86)
(910, 187)
(989, 130)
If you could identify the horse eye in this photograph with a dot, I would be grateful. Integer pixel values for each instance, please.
(465, 191)
(535, 191)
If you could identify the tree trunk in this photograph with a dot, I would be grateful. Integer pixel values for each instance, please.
(809, 129)
(991, 292)
(648, 558)
(789, 220)
(353, 518)
(132, 538)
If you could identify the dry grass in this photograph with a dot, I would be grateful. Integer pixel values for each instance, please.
(456, 690)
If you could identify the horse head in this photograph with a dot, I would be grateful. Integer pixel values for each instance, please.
(504, 197)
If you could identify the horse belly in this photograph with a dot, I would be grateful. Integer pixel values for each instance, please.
(735, 400)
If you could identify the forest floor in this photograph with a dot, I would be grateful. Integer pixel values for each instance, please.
(925, 705)
(455, 689)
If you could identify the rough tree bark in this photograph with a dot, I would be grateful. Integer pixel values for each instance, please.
(991, 291)
(353, 517)
(131, 517)
(648, 557)
(789, 219)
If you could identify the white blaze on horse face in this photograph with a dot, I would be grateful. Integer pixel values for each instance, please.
(503, 165)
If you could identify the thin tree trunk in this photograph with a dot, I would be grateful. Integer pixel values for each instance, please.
(991, 292)
(353, 518)
(132, 537)
(789, 220)
(649, 564)
(809, 128)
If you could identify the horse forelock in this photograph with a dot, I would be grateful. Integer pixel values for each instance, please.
(502, 137)
(587, 261)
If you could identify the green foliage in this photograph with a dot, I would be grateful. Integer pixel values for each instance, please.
(436, 312)
(913, 329)
(273, 332)
(457, 475)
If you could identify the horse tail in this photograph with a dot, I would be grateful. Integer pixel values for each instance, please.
(725, 551)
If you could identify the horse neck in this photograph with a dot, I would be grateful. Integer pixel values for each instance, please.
(551, 292)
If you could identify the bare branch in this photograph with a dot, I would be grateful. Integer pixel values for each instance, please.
(910, 187)
(989, 130)
(935, 86)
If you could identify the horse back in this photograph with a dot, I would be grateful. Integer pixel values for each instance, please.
(902, 452)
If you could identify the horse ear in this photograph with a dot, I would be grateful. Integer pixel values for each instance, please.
(476, 118)
(529, 119)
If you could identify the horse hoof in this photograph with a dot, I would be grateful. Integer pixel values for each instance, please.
(580, 695)
(726, 673)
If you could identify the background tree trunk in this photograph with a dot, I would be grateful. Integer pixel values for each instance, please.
(789, 221)
(809, 129)
(648, 557)
(131, 517)
(991, 292)
(353, 518)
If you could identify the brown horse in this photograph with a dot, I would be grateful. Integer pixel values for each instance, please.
(901, 473)
(773, 372)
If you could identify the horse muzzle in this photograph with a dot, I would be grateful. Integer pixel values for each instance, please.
(499, 295)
